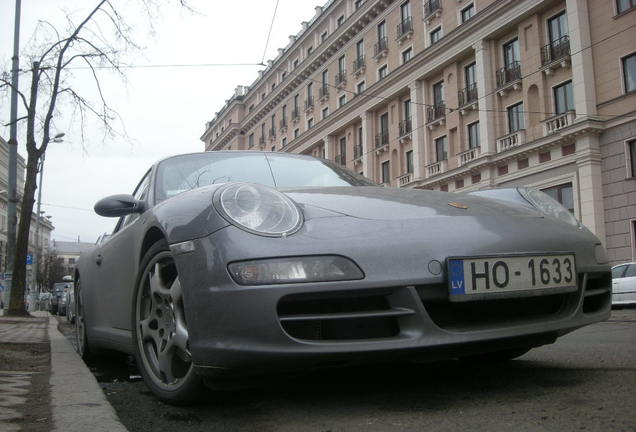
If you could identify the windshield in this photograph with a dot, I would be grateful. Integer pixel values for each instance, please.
(182, 173)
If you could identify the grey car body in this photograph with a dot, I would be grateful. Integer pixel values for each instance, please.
(401, 240)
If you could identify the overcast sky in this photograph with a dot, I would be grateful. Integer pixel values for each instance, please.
(164, 109)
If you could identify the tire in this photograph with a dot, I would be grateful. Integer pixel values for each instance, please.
(160, 331)
(498, 356)
(81, 340)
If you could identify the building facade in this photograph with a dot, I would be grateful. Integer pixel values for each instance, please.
(460, 95)
(67, 254)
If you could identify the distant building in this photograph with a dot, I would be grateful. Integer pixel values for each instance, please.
(459, 95)
(46, 226)
(68, 253)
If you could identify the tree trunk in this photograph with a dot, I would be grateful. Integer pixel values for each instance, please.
(17, 307)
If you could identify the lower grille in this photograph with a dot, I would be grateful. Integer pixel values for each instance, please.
(598, 292)
(340, 316)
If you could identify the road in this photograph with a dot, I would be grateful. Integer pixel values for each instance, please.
(584, 382)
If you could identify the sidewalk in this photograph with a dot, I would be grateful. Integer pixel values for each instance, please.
(41, 395)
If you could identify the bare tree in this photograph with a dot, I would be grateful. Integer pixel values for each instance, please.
(95, 43)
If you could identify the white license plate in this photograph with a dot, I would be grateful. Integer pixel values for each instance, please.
(474, 278)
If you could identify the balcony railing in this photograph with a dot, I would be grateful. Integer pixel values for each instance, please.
(295, 114)
(381, 47)
(467, 95)
(341, 159)
(436, 168)
(323, 93)
(405, 179)
(508, 74)
(558, 122)
(405, 28)
(436, 112)
(341, 78)
(555, 51)
(357, 151)
(468, 155)
(431, 7)
(511, 140)
(405, 127)
(309, 103)
(359, 64)
(382, 139)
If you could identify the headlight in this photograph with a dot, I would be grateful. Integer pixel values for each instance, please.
(258, 209)
(294, 270)
(548, 205)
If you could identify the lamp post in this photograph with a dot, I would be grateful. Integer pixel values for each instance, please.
(38, 250)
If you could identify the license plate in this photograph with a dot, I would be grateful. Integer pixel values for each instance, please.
(475, 278)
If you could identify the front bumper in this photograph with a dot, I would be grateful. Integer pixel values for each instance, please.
(399, 310)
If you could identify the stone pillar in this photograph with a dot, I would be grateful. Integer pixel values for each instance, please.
(367, 145)
(591, 185)
(583, 81)
(328, 147)
(420, 151)
(485, 87)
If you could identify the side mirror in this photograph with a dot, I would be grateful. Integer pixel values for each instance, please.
(119, 205)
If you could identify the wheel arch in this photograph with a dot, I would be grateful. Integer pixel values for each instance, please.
(152, 236)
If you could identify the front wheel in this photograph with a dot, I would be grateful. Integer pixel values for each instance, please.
(160, 330)
(81, 341)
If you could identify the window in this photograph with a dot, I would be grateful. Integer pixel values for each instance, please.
(273, 149)
(407, 54)
(359, 50)
(360, 87)
(619, 271)
(470, 75)
(383, 72)
(251, 108)
(342, 100)
(273, 124)
(360, 140)
(340, 20)
(438, 93)
(631, 158)
(436, 35)
(325, 112)
(273, 86)
(341, 64)
(325, 79)
(250, 140)
(407, 109)
(511, 52)
(405, 11)
(310, 123)
(473, 135)
(296, 102)
(386, 172)
(563, 194)
(323, 36)
(295, 63)
(384, 124)
(468, 12)
(563, 99)
(284, 114)
(310, 88)
(409, 161)
(296, 132)
(284, 75)
(262, 96)
(441, 149)
(284, 141)
(358, 3)
(558, 27)
(629, 72)
(515, 117)
(343, 149)
(309, 51)
(625, 5)
(381, 31)
(71, 261)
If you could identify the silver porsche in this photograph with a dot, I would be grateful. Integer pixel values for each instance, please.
(226, 266)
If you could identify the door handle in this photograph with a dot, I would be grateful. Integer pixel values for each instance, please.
(98, 259)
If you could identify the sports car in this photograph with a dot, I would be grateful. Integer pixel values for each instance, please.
(228, 266)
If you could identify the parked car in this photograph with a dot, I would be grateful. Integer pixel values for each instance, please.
(228, 264)
(56, 294)
(70, 304)
(624, 284)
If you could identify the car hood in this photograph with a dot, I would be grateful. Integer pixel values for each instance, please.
(379, 203)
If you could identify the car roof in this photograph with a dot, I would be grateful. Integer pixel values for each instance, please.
(242, 153)
(627, 263)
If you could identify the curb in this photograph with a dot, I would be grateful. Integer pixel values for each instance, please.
(77, 401)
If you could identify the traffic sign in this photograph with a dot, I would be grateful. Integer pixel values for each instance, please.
(29, 259)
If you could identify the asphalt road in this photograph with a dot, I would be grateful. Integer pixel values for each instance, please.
(584, 382)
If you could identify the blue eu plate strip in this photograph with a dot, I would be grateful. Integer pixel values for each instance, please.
(456, 276)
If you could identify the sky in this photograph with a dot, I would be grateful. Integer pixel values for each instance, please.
(163, 110)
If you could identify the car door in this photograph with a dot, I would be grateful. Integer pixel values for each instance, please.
(627, 283)
(117, 263)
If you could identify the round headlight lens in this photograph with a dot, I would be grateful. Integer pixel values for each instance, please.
(258, 209)
(549, 206)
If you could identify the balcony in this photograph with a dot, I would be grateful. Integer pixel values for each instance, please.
(436, 115)
(295, 114)
(436, 168)
(405, 128)
(381, 141)
(309, 104)
(509, 76)
(555, 55)
(381, 49)
(467, 98)
(405, 179)
(341, 79)
(432, 9)
(468, 156)
(341, 159)
(323, 93)
(558, 122)
(359, 66)
(283, 125)
(404, 30)
(511, 140)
